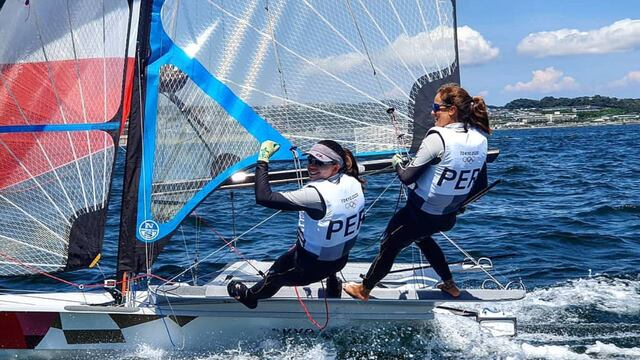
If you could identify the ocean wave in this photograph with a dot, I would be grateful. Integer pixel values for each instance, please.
(557, 322)
(591, 238)
(612, 210)
(610, 350)
(516, 169)
(572, 299)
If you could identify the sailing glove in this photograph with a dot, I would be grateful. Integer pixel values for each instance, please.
(397, 159)
(267, 149)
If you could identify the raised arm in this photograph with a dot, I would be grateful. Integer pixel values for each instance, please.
(307, 199)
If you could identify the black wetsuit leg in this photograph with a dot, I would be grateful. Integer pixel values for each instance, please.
(398, 235)
(283, 269)
(408, 225)
(435, 257)
(297, 267)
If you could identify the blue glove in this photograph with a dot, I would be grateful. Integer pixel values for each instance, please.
(397, 159)
(267, 149)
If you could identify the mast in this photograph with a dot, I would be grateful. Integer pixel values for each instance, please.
(130, 251)
(426, 87)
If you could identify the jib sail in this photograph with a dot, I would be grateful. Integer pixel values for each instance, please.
(63, 73)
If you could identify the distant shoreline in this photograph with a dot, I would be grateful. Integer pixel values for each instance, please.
(569, 126)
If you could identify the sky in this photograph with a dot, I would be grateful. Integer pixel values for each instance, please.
(512, 49)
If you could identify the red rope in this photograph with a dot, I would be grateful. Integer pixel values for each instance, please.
(302, 304)
(70, 283)
(309, 316)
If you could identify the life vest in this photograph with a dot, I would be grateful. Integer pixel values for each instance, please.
(331, 237)
(444, 186)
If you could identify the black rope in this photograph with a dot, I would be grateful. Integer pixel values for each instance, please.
(233, 213)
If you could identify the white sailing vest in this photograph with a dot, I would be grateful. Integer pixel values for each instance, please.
(331, 237)
(444, 186)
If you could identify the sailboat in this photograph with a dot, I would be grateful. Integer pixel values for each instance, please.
(200, 84)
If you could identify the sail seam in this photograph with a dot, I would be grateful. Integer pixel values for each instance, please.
(109, 126)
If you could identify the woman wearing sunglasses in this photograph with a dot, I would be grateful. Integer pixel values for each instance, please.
(448, 168)
(331, 211)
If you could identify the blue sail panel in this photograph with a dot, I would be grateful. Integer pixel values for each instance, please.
(195, 127)
(224, 76)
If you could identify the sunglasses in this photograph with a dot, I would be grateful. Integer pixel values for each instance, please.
(313, 161)
(437, 107)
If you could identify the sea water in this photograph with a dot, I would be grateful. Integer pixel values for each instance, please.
(565, 220)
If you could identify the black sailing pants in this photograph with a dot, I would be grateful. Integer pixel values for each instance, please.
(409, 225)
(297, 267)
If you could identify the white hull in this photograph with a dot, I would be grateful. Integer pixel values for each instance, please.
(204, 317)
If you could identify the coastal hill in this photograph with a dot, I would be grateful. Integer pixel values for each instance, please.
(629, 105)
(550, 111)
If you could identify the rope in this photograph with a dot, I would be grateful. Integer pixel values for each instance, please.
(475, 262)
(394, 122)
(37, 271)
(298, 165)
(166, 327)
(231, 242)
(306, 310)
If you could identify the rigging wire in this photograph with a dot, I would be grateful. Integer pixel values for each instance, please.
(276, 54)
(390, 110)
(81, 287)
(230, 242)
(295, 288)
(475, 262)
(366, 49)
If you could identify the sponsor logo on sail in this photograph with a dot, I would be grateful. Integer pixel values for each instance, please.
(148, 230)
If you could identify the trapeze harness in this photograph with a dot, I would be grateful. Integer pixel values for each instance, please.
(331, 237)
(323, 243)
(444, 186)
(441, 186)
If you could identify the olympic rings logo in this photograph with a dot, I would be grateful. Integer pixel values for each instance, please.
(350, 205)
(468, 159)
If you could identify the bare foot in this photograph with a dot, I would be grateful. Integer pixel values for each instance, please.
(356, 290)
(449, 286)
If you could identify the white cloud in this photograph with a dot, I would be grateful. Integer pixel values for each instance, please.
(423, 48)
(483, 93)
(622, 35)
(428, 51)
(632, 77)
(474, 48)
(545, 81)
(341, 63)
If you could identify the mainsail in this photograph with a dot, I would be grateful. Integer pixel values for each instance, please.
(222, 76)
(63, 72)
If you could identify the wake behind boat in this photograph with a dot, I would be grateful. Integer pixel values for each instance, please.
(201, 85)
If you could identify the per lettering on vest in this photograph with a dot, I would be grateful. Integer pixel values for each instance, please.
(353, 223)
(464, 181)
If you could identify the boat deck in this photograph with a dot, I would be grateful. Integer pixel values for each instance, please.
(405, 282)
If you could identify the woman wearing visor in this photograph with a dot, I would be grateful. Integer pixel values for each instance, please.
(448, 168)
(331, 208)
